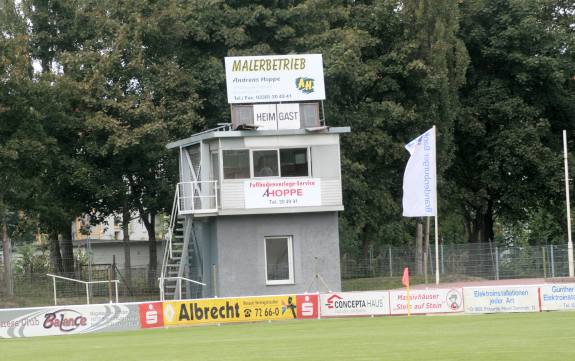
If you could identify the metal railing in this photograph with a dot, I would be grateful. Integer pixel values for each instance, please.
(197, 197)
(179, 286)
(379, 269)
(168, 249)
(85, 283)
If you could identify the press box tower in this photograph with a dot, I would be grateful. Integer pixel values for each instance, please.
(256, 207)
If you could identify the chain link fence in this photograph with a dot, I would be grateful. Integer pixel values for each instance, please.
(381, 270)
(459, 262)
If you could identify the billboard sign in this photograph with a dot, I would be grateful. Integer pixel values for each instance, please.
(307, 306)
(558, 297)
(229, 310)
(279, 193)
(427, 301)
(68, 320)
(151, 315)
(274, 78)
(501, 299)
(354, 304)
(277, 116)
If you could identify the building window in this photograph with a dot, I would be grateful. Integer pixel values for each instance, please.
(236, 164)
(279, 260)
(293, 162)
(265, 163)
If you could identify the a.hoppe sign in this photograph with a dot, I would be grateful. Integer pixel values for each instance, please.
(275, 78)
(282, 192)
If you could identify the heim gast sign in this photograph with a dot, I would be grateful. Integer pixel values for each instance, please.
(273, 79)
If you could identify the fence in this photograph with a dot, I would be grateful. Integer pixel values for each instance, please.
(473, 260)
(381, 270)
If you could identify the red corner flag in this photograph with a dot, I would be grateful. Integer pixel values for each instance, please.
(405, 278)
(405, 281)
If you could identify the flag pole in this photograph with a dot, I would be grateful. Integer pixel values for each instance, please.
(408, 303)
(436, 214)
(569, 240)
(436, 251)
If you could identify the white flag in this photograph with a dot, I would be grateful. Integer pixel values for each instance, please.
(419, 179)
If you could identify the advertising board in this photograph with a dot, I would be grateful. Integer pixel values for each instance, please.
(276, 193)
(354, 304)
(245, 309)
(277, 116)
(151, 315)
(427, 301)
(275, 78)
(501, 299)
(66, 320)
(558, 297)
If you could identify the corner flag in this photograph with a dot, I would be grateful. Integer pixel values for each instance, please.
(405, 278)
(419, 179)
(405, 281)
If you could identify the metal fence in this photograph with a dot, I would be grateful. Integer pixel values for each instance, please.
(460, 262)
(473, 260)
(37, 289)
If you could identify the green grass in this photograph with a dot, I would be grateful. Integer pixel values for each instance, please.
(390, 283)
(532, 337)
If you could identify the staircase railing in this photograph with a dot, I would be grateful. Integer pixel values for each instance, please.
(197, 197)
(169, 236)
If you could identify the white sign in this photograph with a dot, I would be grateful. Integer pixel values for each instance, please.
(282, 192)
(265, 116)
(276, 116)
(354, 304)
(427, 301)
(558, 297)
(67, 320)
(276, 78)
(501, 299)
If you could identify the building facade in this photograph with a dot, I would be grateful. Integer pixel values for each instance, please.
(256, 213)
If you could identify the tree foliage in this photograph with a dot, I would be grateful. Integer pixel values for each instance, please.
(115, 81)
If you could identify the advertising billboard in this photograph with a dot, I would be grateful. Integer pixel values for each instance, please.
(501, 299)
(558, 297)
(427, 301)
(244, 309)
(68, 320)
(274, 78)
(354, 304)
(276, 193)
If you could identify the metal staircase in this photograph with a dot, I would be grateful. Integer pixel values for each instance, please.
(182, 258)
(175, 257)
(174, 262)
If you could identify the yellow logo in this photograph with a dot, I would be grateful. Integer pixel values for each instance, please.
(306, 85)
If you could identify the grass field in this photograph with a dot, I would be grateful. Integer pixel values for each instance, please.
(525, 337)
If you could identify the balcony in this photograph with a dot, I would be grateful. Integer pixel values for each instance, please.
(197, 197)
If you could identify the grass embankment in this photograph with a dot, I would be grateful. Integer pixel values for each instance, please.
(390, 283)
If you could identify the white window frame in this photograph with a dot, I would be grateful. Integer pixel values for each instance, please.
(308, 158)
(252, 164)
(290, 279)
(222, 164)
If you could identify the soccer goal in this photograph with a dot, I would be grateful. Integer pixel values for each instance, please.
(71, 289)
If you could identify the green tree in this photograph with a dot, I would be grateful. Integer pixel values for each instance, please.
(134, 99)
(518, 96)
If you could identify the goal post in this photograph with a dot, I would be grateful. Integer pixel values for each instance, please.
(86, 287)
